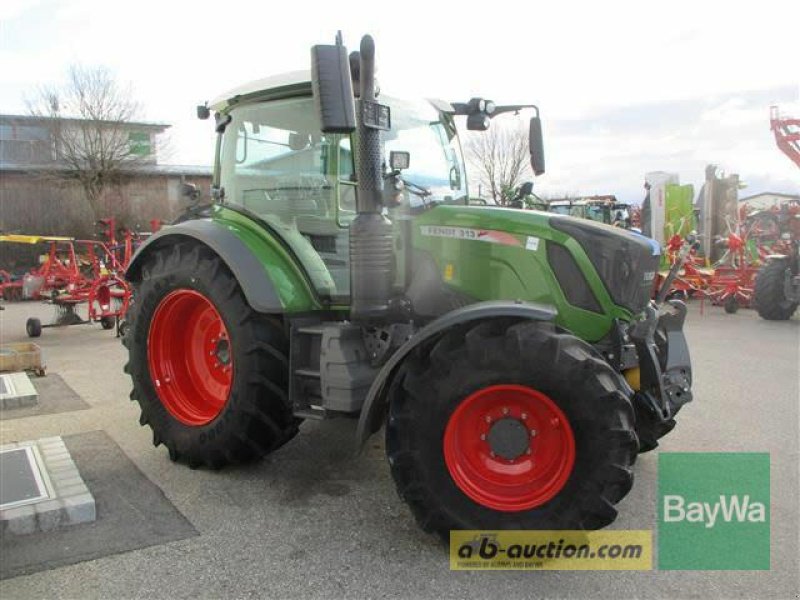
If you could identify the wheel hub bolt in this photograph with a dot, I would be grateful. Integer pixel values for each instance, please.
(483, 437)
(524, 416)
(488, 419)
(505, 411)
(533, 433)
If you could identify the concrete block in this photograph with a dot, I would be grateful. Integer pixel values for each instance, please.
(49, 514)
(60, 465)
(20, 520)
(64, 482)
(50, 440)
(73, 490)
(9, 402)
(80, 509)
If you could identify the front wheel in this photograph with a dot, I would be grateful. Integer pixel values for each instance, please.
(510, 426)
(210, 374)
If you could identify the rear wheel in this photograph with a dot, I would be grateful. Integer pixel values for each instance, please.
(505, 425)
(770, 294)
(210, 374)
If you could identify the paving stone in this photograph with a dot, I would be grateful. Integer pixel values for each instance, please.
(49, 514)
(21, 520)
(80, 509)
(73, 490)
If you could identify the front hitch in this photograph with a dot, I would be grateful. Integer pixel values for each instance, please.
(664, 361)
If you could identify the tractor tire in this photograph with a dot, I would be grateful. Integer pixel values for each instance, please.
(33, 327)
(211, 375)
(107, 322)
(770, 295)
(555, 412)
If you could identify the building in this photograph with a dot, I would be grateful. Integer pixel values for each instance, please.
(35, 199)
(769, 199)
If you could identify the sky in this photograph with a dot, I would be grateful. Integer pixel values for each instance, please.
(624, 88)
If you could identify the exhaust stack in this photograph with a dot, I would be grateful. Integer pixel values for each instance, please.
(371, 252)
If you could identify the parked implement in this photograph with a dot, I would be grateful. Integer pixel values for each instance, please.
(514, 357)
(72, 273)
(777, 287)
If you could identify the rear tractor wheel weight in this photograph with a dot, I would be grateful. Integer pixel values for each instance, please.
(498, 441)
(210, 374)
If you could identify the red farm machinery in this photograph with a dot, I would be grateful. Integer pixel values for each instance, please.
(74, 272)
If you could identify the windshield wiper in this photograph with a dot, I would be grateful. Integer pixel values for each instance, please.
(416, 189)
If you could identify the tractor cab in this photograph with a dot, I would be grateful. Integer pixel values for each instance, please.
(276, 164)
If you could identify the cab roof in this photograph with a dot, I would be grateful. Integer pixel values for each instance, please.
(289, 83)
(291, 79)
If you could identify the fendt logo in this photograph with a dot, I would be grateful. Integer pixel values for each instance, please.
(713, 511)
(728, 509)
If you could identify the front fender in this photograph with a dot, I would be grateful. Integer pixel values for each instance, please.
(373, 410)
(255, 281)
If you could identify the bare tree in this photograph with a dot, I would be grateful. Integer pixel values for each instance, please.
(501, 158)
(89, 124)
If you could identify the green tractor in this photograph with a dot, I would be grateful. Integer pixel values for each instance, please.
(515, 358)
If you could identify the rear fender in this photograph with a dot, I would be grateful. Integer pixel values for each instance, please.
(374, 409)
(258, 287)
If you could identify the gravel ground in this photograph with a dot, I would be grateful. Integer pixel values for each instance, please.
(316, 520)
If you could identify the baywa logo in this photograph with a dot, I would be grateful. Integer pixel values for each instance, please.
(728, 508)
(713, 511)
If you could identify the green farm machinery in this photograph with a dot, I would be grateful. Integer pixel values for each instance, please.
(514, 358)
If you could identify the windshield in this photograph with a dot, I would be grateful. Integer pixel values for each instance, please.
(436, 162)
(561, 209)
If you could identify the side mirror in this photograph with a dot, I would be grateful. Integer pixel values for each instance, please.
(536, 145)
(203, 112)
(332, 85)
(526, 189)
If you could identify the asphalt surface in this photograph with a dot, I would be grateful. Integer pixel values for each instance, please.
(314, 520)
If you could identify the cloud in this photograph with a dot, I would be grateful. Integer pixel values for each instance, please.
(610, 150)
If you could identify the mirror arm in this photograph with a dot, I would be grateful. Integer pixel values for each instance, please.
(513, 108)
(464, 109)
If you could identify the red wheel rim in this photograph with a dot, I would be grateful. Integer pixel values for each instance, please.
(190, 358)
(509, 447)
